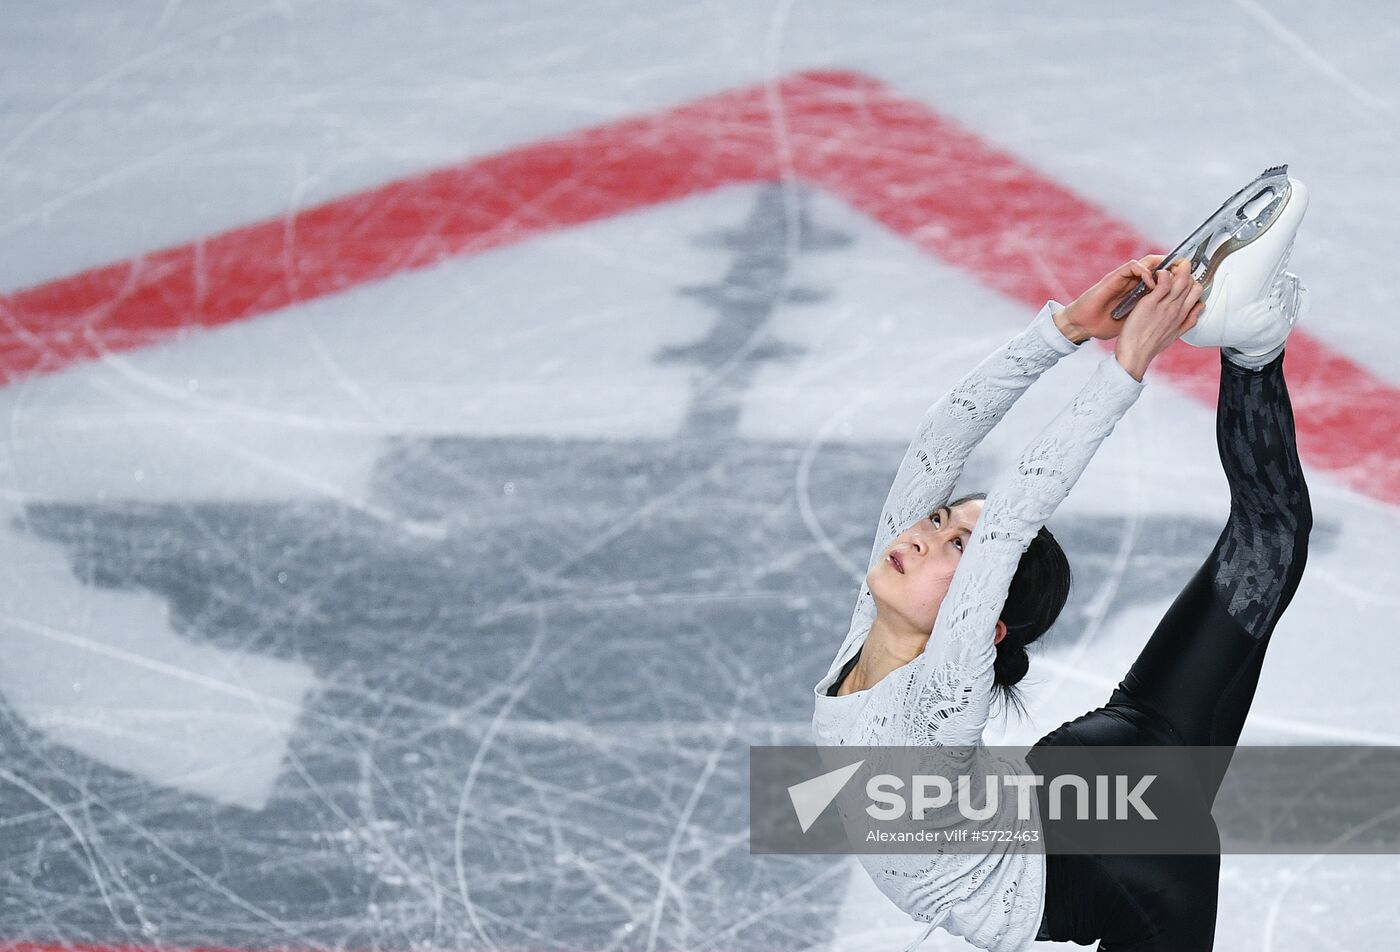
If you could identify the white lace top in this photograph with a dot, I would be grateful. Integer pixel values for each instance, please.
(994, 900)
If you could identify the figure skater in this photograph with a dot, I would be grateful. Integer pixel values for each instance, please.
(956, 590)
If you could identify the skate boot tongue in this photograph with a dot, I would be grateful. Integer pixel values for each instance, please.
(1255, 329)
(1288, 299)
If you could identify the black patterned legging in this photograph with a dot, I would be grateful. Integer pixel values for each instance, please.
(1194, 681)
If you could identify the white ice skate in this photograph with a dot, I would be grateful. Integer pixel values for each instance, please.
(1252, 301)
(1243, 218)
(1240, 256)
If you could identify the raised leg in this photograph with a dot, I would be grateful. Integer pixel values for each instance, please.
(1199, 670)
(1195, 679)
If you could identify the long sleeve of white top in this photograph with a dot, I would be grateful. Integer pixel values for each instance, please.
(946, 692)
(942, 697)
(951, 682)
(951, 428)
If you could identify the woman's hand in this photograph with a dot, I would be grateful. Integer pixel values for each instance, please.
(1091, 314)
(1169, 311)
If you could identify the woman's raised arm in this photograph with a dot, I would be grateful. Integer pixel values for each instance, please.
(953, 426)
(951, 429)
(948, 688)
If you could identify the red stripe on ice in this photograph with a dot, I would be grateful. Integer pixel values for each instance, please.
(922, 176)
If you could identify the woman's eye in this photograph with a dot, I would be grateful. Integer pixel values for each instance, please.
(958, 543)
(934, 517)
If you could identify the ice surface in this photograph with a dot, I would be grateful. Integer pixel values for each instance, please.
(442, 612)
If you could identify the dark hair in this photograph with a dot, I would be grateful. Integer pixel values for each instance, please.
(1038, 592)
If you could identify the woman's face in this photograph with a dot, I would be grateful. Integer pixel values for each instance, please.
(911, 580)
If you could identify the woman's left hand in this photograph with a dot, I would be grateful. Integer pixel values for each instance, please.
(1091, 314)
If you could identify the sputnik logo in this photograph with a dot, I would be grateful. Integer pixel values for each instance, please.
(811, 797)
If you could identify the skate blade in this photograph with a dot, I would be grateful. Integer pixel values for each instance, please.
(1239, 221)
(1245, 235)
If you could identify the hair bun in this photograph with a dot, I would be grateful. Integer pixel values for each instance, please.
(1011, 665)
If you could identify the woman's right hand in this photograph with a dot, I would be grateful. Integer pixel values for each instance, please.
(1170, 310)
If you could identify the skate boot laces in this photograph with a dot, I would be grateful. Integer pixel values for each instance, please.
(1260, 327)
